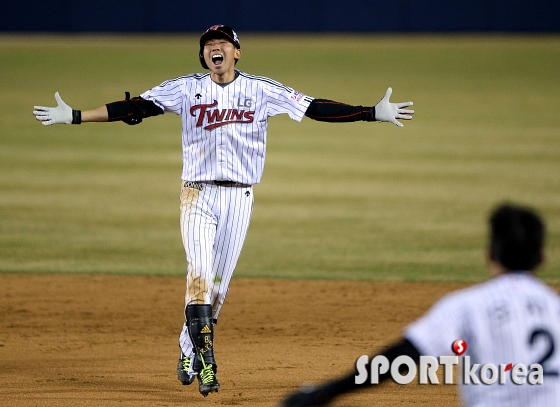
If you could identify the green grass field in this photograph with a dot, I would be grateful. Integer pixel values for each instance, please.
(344, 201)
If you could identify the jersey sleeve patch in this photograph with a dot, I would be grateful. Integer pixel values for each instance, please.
(297, 96)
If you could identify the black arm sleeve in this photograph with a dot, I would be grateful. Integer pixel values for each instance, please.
(330, 111)
(346, 384)
(132, 111)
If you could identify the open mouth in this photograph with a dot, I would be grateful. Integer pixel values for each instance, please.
(217, 59)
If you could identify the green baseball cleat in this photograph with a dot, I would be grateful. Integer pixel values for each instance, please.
(207, 381)
(183, 369)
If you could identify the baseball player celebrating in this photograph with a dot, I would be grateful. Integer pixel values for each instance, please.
(514, 317)
(224, 117)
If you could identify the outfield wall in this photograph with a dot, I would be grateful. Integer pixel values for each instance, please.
(281, 16)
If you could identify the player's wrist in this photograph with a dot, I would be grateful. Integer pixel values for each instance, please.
(368, 114)
(76, 116)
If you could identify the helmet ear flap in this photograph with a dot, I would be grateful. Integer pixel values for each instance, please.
(201, 58)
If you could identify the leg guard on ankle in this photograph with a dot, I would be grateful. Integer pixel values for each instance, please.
(201, 331)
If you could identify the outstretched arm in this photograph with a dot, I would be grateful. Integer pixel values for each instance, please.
(325, 110)
(327, 392)
(130, 111)
(385, 111)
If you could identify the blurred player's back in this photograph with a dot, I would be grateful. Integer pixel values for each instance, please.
(513, 318)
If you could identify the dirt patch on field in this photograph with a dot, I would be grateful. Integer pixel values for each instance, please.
(80, 340)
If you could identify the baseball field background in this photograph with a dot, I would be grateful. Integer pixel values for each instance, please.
(93, 210)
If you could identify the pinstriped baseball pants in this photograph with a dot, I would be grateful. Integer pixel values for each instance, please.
(214, 223)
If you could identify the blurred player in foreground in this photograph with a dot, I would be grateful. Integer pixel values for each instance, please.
(224, 117)
(513, 318)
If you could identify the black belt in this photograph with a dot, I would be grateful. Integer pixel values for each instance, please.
(200, 185)
(230, 184)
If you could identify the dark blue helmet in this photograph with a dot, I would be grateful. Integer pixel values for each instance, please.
(217, 31)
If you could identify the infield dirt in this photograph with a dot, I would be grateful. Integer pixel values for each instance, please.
(91, 340)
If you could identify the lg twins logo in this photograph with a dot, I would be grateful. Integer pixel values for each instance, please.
(210, 118)
(472, 373)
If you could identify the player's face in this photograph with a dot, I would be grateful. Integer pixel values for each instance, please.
(220, 56)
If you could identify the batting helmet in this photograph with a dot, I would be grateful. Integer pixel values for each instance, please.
(217, 31)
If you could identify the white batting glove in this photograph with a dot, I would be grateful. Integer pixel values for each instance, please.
(62, 114)
(390, 112)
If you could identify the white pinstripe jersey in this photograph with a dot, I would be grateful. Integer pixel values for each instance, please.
(513, 318)
(224, 128)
